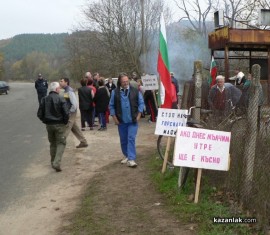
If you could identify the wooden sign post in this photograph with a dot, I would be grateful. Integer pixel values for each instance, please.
(198, 184)
(167, 122)
(202, 149)
(166, 155)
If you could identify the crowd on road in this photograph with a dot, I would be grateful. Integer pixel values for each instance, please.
(125, 101)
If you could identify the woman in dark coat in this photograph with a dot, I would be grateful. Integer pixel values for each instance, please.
(85, 104)
(102, 99)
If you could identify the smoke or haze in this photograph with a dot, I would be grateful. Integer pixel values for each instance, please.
(182, 54)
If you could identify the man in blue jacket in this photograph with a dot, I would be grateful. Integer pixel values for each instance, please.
(126, 106)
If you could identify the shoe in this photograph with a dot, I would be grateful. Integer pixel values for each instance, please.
(124, 161)
(57, 168)
(82, 145)
(102, 129)
(83, 129)
(91, 128)
(131, 163)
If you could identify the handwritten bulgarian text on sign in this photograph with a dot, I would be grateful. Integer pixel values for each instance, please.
(169, 119)
(200, 148)
(150, 82)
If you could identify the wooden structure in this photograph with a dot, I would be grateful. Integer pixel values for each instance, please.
(252, 41)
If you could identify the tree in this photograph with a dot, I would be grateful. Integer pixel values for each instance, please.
(34, 63)
(196, 14)
(125, 29)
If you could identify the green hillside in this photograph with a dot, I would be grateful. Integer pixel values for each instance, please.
(19, 46)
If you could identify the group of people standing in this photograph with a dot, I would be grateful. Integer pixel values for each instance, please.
(58, 112)
(125, 102)
(224, 95)
(94, 99)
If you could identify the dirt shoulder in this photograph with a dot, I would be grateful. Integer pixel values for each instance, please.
(123, 198)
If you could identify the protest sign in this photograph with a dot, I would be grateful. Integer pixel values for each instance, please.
(150, 82)
(201, 148)
(169, 119)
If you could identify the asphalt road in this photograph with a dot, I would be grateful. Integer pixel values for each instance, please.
(21, 139)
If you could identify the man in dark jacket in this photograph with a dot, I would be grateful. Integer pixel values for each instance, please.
(53, 111)
(110, 85)
(41, 86)
(223, 96)
(86, 96)
(126, 106)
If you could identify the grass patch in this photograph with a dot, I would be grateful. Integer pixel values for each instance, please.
(83, 220)
(184, 208)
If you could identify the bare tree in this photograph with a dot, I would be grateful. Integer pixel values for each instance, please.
(245, 12)
(125, 28)
(197, 14)
(237, 10)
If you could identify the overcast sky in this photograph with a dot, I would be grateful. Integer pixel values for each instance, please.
(46, 16)
(38, 16)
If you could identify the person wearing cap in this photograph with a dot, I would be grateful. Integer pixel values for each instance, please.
(41, 86)
(239, 78)
(222, 96)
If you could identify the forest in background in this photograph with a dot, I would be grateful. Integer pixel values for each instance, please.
(71, 55)
(123, 37)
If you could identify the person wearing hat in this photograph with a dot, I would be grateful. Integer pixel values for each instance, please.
(41, 86)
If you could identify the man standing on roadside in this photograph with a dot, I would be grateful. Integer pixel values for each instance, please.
(53, 111)
(70, 97)
(126, 106)
(41, 86)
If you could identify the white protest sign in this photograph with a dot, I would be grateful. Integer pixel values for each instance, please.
(150, 82)
(169, 119)
(201, 148)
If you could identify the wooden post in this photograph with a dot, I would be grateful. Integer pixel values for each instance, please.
(198, 183)
(198, 89)
(251, 135)
(166, 155)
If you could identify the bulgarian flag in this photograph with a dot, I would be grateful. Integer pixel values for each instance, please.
(213, 72)
(163, 67)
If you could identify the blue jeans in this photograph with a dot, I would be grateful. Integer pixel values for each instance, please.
(102, 119)
(127, 133)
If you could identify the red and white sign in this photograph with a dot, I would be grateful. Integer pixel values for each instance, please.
(201, 148)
